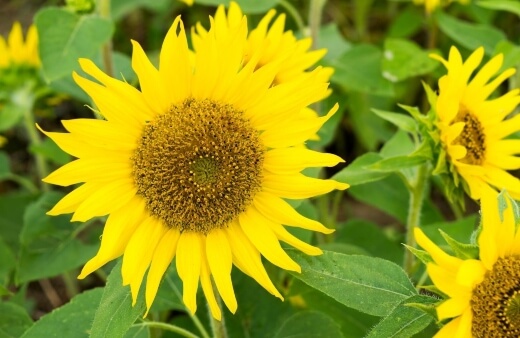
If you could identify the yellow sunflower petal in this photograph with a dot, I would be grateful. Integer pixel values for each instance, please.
(118, 230)
(265, 240)
(293, 160)
(285, 236)
(220, 262)
(445, 280)
(247, 258)
(207, 288)
(162, 257)
(439, 256)
(298, 186)
(453, 307)
(471, 273)
(279, 211)
(15, 41)
(139, 252)
(149, 80)
(457, 328)
(189, 257)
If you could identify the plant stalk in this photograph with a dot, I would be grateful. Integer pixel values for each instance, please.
(417, 194)
(168, 327)
(104, 12)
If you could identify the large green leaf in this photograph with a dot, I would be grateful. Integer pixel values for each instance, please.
(115, 313)
(308, 324)
(358, 171)
(259, 313)
(49, 241)
(64, 37)
(470, 35)
(404, 321)
(8, 260)
(330, 37)
(512, 6)
(72, 320)
(367, 284)
(404, 59)
(14, 320)
(370, 237)
(12, 208)
(359, 69)
(5, 165)
(353, 323)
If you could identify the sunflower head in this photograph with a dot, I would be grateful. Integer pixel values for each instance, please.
(482, 293)
(196, 165)
(19, 60)
(431, 5)
(472, 125)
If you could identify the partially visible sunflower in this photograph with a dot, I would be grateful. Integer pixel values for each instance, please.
(431, 5)
(473, 127)
(268, 42)
(195, 165)
(483, 294)
(17, 52)
(3, 141)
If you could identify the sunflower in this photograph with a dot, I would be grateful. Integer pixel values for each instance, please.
(431, 5)
(473, 126)
(16, 52)
(484, 293)
(195, 165)
(3, 141)
(270, 43)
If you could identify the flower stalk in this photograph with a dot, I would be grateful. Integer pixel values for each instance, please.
(417, 193)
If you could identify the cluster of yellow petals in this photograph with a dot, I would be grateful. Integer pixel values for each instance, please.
(15, 51)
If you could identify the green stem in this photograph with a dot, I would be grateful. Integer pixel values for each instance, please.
(71, 285)
(25, 100)
(23, 182)
(194, 318)
(168, 327)
(417, 194)
(315, 13)
(289, 8)
(217, 326)
(104, 12)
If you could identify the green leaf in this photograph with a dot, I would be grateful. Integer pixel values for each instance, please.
(511, 54)
(10, 115)
(259, 313)
(64, 37)
(503, 205)
(14, 320)
(330, 37)
(353, 323)
(308, 324)
(5, 291)
(8, 260)
(470, 35)
(71, 320)
(247, 6)
(141, 331)
(49, 241)
(51, 151)
(122, 71)
(407, 22)
(371, 238)
(402, 121)
(404, 59)
(404, 321)
(461, 250)
(422, 255)
(12, 208)
(367, 284)
(397, 163)
(115, 313)
(512, 6)
(391, 196)
(5, 165)
(359, 69)
(358, 172)
(120, 8)
(460, 230)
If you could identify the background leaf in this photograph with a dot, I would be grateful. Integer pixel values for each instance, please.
(115, 313)
(367, 284)
(70, 320)
(64, 37)
(14, 320)
(309, 324)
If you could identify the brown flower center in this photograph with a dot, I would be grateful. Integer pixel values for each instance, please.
(496, 301)
(472, 137)
(199, 165)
